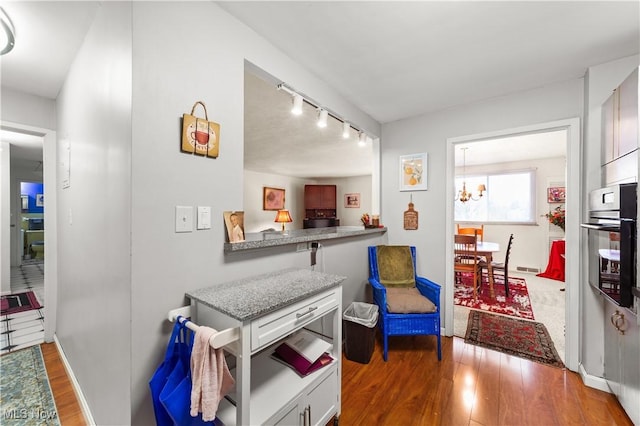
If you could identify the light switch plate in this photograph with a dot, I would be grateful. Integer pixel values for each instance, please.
(184, 219)
(204, 217)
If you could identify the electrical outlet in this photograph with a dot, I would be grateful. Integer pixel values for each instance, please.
(204, 217)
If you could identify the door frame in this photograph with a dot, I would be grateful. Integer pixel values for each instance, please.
(573, 235)
(49, 179)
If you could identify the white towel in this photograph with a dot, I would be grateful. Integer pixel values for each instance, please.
(210, 376)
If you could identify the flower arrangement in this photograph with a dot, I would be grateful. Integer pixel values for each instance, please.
(556, 217)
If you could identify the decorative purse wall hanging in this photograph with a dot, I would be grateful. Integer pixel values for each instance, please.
(199, 135)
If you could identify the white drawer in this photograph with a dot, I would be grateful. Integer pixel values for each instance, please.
(278, 324)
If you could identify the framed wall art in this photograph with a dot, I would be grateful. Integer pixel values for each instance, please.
(413, 172)
(556, 194)
(39, 200)
(272, 198)
(352, 201)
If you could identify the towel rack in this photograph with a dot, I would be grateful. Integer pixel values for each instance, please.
(218, 340)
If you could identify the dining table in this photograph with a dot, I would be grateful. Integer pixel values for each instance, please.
(486, 249)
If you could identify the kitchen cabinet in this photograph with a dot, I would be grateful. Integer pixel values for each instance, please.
(622, 358)
(267, 309)
(320, 206)
(620, 132)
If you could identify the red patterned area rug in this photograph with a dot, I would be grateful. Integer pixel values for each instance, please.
(20, 302)
(524, 339)
(517, 304)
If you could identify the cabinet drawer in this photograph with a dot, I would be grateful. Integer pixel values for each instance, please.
(278, 324)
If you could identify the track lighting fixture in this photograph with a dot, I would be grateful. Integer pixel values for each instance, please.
(297, 104)
(362, 139)
(7, 36)
(346, 128)
(323, 114)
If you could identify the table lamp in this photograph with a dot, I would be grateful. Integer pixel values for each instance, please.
(283, 217)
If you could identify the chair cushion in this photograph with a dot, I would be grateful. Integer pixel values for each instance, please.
(408, 301)
(395, 266)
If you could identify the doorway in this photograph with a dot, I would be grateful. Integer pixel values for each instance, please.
(11, 212)
(572, 234)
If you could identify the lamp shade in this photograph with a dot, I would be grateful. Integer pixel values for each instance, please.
(283, 217)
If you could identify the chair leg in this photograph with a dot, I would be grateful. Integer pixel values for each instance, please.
(439, 347)
(506, 282)
(385, 346)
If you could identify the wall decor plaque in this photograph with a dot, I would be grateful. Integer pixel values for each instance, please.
(199, 135)
(411, 218)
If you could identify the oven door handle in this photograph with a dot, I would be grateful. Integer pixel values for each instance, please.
(601, 227)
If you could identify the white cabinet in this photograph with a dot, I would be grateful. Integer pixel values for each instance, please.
(622, 358)
(267, 391)
(620, 133)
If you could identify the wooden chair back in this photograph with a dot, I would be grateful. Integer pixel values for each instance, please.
(471, 231)
(466, 258)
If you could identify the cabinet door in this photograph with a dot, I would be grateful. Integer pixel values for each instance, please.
(628, 119)
(329, 197)
(608, 128)
(291, 415)
(611, 349)
(322, 400)
(630, 374)
(312, 197)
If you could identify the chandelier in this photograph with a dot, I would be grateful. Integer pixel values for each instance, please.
(463, 195)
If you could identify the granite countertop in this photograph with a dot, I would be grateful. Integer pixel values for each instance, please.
(272, 239)
(253, 297)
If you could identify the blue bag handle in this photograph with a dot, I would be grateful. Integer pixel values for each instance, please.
(177, 329)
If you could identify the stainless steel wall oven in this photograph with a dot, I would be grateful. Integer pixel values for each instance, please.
(612, 243)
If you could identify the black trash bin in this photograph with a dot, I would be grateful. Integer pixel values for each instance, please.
(360, 321)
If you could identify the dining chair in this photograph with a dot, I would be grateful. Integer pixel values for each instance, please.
(466, 260)
(502, 268)
(471, 230)
(408, 304)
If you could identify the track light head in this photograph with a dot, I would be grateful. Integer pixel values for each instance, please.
(346, 128)
(362, 139)
(323, 114)
(297, 104)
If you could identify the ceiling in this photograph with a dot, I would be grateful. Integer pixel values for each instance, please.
(391, 59)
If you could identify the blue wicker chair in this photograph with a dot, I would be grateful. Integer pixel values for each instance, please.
(404, 324)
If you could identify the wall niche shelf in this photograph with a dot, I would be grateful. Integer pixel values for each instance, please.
(261, 240)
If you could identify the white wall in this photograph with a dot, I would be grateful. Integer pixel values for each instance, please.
(5, 213)
(94, 311)
(428, 133)
(23, 108)
(256, 219)
(347, 185)
(600, 82)
(166, 83)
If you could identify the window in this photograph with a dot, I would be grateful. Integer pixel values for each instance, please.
(510, 198)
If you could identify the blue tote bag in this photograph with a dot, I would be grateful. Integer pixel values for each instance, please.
(178, 353)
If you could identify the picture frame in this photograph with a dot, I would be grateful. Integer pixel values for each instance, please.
(234, 225)
(39, 200)
(352, 200)
(413, 172)
(556, 194)
(272, 198)
(24, 199)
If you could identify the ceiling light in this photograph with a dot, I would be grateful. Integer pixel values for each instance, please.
(7, 36)
(322, 117)
(464, 196)
(346, 129)
(297, 104)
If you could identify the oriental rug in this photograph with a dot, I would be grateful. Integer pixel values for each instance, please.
(19, 302)
(521, 338)
(25, 393)
(517, 304)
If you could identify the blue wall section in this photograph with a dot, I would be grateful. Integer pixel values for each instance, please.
(32, 189)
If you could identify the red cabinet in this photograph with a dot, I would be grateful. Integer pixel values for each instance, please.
(320, 206)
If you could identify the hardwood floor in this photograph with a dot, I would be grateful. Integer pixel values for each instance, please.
(470, 386)
(69, 411)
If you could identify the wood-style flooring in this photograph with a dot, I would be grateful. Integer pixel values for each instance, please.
(69, 411)
(470, 386)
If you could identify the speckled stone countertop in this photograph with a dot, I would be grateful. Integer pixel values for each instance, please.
(272, 239)
(253, 297)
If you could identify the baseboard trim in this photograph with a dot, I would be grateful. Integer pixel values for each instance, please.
(594, 382)
(84, 406)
